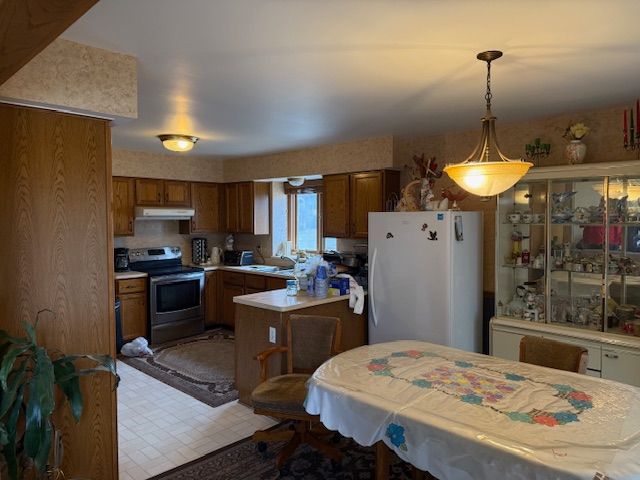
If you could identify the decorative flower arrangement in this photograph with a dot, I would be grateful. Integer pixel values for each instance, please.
(577, 131)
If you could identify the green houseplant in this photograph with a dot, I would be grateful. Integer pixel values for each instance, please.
(29, 375)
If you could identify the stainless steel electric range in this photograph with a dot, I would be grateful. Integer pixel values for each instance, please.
(176, 293)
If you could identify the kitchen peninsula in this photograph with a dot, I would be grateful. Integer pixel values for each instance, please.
(257, 313)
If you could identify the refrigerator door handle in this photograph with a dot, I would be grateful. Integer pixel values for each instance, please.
(372, 287)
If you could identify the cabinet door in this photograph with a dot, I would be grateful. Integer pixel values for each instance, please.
(211, 299)
(149, 191)
(231, 201)
(123, 205)
(505, 345)
(177, 194)
(206, 202)
(276, 283)
(366, 196)
(621, 365)
(133, 312)
(335, 206)
(245, 207)
(228, 307)
(249, 290)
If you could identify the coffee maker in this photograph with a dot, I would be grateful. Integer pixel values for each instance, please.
(121, 259)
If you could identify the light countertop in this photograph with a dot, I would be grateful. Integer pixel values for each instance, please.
(279, 301)
(128, 275)
(244, 269)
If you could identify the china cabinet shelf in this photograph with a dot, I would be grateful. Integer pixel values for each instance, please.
(526, 267)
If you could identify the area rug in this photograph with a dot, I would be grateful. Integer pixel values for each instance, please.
(202, 366)
(241, 460)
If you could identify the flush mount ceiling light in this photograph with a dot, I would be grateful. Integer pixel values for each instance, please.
(295, 181)
(487, 171)
(178, 143)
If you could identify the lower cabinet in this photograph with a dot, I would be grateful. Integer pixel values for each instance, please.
(619, 363)
(228, 307)
(211, 309)
(133, 307)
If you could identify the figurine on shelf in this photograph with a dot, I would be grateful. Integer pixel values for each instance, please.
(454, 197)
(425, 172)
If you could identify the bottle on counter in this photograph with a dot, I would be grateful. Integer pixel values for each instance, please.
(292, 287)
(321, 282)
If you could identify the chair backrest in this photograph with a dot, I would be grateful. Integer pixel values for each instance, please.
(312, 340)
(553, 354)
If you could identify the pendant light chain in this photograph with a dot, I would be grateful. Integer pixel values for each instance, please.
(488, 95)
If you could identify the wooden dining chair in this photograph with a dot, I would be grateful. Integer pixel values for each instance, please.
(311, 340)
(553, 354)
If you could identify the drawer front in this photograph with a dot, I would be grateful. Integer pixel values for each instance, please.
(256, 282)
(233, 278)
(131, 285)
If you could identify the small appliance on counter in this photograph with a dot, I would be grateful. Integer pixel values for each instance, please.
(121, 259)
(199, 253)
(238, 258)
(216, 255)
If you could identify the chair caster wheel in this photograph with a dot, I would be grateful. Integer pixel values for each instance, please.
(261, 446)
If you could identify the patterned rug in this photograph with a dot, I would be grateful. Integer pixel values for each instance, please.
(241, 460)
(202, 366)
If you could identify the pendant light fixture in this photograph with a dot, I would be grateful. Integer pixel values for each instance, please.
(487, 171)
(178, 143)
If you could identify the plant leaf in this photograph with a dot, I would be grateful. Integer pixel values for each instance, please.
(9, 449)
(40, 405)
(106, 363)
(6, 338)
(16, 378)
(4, 436)
(31, 331)
(40, 459)
(8, 360)
(69, 382)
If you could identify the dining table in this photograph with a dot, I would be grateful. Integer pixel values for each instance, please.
(461, 415)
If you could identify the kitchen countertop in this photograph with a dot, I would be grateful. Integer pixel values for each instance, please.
(279, 301)
(128, 275)
(244, 269)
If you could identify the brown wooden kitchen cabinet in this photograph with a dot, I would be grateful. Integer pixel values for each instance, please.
(123, 205)
(335, 206)
(206, 200)
(228, 307)
(133, 307)
(273, 283)
(169, 193)
(247, 207)
(211, 313)
(348, 199)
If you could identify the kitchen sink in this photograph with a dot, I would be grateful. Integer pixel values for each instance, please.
(267, 269)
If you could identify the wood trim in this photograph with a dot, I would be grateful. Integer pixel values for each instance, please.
(28, 26)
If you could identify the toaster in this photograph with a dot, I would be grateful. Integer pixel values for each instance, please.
(238, 257)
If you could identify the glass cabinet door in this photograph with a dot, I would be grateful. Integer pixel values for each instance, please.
(623, 272)
(521, 252)
(577, 252)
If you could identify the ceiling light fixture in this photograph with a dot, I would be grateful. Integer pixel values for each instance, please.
(482, 173)
(178, 143)
(295, 181)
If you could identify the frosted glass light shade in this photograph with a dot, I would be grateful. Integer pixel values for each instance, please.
(178, 143)
(486, 179)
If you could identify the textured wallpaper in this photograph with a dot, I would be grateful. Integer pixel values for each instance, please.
(78, 77)
(129, 163)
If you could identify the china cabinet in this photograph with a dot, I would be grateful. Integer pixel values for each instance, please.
(568, 264)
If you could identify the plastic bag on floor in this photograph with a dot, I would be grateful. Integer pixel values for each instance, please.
(137, 348)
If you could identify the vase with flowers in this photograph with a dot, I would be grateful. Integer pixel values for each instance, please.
(576, 150)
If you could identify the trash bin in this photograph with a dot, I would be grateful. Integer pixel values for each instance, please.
(119, 341)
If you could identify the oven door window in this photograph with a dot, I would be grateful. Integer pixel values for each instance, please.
(179, 295)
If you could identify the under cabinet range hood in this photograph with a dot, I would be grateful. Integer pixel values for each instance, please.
(164, 213)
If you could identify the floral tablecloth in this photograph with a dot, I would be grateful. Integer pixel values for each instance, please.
(462, 415)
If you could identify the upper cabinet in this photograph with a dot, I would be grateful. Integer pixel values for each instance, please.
(123, 205)
(206, 200)
(247, 207)
(169, 193)
(348, 199)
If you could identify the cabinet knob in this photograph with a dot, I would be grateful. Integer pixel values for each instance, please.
(611, 355)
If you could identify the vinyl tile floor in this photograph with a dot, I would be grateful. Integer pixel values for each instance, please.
(160, 428)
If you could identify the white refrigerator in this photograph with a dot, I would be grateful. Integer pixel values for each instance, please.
(425, 278)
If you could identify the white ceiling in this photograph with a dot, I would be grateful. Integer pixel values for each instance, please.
(257, 76)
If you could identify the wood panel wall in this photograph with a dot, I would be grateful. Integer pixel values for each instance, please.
(28, 26)
(55, 191)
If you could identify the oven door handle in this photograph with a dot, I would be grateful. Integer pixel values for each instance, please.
(177, 277)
